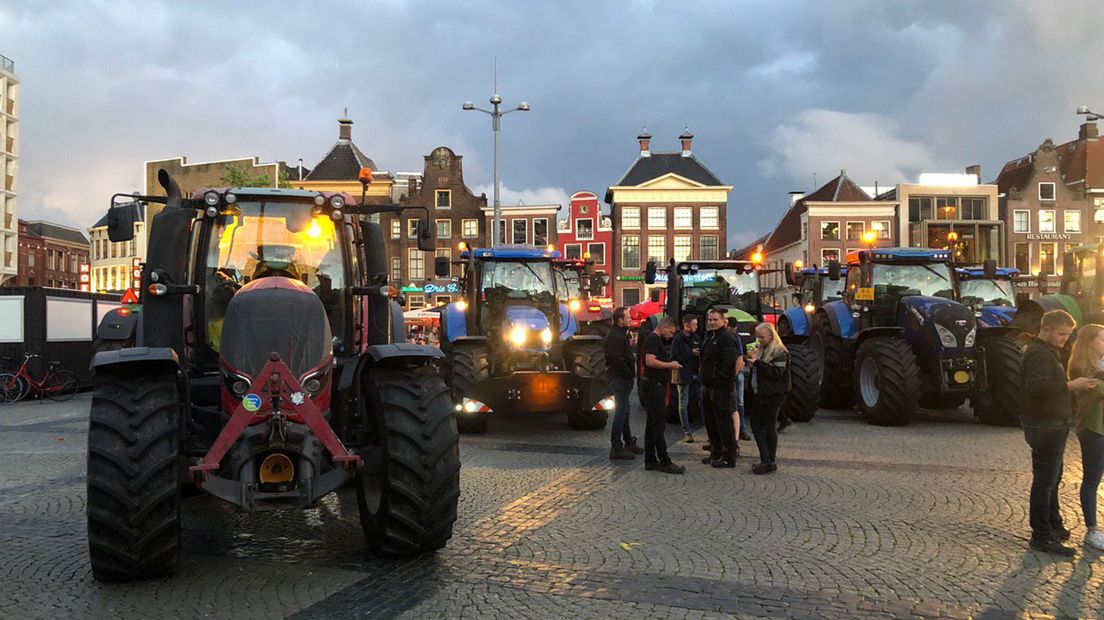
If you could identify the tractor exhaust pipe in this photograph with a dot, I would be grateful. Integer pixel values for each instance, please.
(171, 187)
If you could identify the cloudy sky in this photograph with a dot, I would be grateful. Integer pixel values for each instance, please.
(775, 92)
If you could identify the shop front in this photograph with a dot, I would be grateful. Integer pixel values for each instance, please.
(973, 241)
(430, 294)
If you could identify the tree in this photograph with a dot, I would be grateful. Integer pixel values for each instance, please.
(235, 176)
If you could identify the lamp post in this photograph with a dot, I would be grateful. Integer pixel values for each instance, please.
(1088, 114)
(496, 117)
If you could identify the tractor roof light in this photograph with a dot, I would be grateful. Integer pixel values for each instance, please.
(551, 247)
(211, 198)
(574, 305)
(320, 200)
(230, 198)
(461, 305)
(798, 264)
(337, 201)
(810, 308)
(158, 289)
(336, 215)
(757, 257)
(212, 212)
(462, 246)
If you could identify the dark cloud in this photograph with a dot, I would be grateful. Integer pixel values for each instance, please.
(766, 87)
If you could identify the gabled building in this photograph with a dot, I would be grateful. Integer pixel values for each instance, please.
(586, 231)
(666, 205)
(339, 170)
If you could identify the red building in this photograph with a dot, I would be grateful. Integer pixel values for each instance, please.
(586, 231)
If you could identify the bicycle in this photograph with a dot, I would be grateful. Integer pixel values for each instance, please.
(57, 385)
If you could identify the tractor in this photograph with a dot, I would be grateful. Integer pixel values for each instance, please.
(511, 344)
(1081, 292)
(263, 367)
(581, 288)
(990, 292)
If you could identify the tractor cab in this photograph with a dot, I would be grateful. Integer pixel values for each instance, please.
(1081, 292)
(696, 287)
(990, 293)
(581, 288)
(813, 287)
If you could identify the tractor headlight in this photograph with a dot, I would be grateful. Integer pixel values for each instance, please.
(970, 337)
(574, 305)
(946, 337)
(211, 198)
(518, 334)
(546, 336)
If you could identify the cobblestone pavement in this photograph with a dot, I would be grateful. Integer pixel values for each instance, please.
(926, 521)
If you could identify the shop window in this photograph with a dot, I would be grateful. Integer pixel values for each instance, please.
(630, 252)
(1021, 221)
(416, 301)
(630, 297)
(442, 300)
(1046, 191)
(630, 218)
(829, 231)
(1047, 253)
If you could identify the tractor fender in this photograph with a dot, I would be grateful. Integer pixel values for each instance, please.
(569, 325)
(799, 321)
(404, 350)
(117, 326)
(1047, 303)
(142, 358)
(585, 338)
(876, 332)
(839, 317)
(455, 322)
(398, 325)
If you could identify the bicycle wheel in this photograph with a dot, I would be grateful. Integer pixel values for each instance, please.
(12, 388)
(61, 385)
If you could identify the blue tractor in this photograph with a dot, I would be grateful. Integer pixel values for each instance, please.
(899, 338)
(512, 343)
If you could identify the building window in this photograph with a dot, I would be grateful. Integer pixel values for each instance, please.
(1046, 258)
(520, 231)
(396, 270)
(443, 198)
(974, 209)
(1021, 221)
(684, 248)
(573, 250)
(804, 229)
(442, 300)
(946, 208)
(501, 230)
(584, 229)
(829, 231)
(630, 252)
(540, 231)
(396, 228)
(829, 255)
(684, 218)
(630, 297)
(630, 218)
(444, 229)
(710, 248)
(657, 249)
(470, 229)
(855, 231)
(597, 253)
(443, 253)
(1046, 221)
(73, 263)
(412, 228)
(920, 209)
(657, 218)
(1098, 210)
(133, 248)
(415, 264)
(30, 258)
(882, 229)
(1046, 191)
(1072, 221)
(114, 250)
(710, 218)
(416, 301)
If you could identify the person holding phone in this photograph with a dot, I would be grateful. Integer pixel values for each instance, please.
(1046, 424)
(770, 381)
(1087, 360)
(656, 383)
(719, 367)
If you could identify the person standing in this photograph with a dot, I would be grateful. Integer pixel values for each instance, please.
(770, 381)
(686, 350)
(656, 382)
(1046, 424)
(1087, 360)
(621, 371)
(739, 410)
(720, 362)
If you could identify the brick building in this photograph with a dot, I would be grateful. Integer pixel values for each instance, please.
(586, 230)
(667, 205)
(50, 255)
(526, 224)
(339, 170)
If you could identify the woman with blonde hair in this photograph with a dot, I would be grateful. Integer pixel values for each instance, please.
(770, 382)
(1087, 360)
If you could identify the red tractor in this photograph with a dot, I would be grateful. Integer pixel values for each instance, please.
(265, 366)
(583, 288)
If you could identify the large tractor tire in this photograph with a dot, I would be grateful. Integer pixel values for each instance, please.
(887, 388)
(470, 364)
(785, 330)
(408, 503)
(836, 366)
(587, 359)
(1000, 404)
(597, 328)
(134, 476)
(801, 403)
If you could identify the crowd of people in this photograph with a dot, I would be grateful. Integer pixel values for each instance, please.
(728, 383)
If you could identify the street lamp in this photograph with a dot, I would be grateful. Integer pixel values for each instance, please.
(496, 116)
(1089, 114)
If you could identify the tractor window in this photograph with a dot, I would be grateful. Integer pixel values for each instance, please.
(571, 285)
(707, 288)
(1083, 283)
(518, 279)
(252, 240)
(897, 280)
(987, 292)
(831, 290)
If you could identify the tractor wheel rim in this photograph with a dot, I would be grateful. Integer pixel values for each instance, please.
(868, 382)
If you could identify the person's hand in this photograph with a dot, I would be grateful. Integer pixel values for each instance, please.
(739, 364)
(697, 352)
(753, 354)
(1080, 384)
(676, 366)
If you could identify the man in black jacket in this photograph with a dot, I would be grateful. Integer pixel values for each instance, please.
(685, 349)
(1046, 423)
(621, 370)
(719, 357)
(656, 384)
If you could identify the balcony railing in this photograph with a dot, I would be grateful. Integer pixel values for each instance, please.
(7, 64)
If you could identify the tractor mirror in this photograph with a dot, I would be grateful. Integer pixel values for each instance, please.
(426, 243)
(789, 274)
(990, 268)
(650, 272)
(833, 270)
(442, 267)
(120, 222)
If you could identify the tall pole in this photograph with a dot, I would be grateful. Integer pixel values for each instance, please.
(496, 115)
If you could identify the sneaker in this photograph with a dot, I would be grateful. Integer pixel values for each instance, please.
(621, 454)
(761, 468)
(1095, 539)
(773, 467)
(1052, 546)
(744, 436)
(670, 468)
(634, 447)
(688, 438)
(722, 464)
(1062, 534)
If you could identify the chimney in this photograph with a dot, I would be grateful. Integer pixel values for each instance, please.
(686, 137)
(300, 168)
(795, 196)
(645, 140)
(975, 170)
(1088, 131)
(344, 130)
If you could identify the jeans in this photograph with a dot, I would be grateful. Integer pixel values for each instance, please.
(738, 400)
(1092, 461)
(1048, 446)
(620, 434)
(718, 412)
(655, 401)
(684, 392)
(764, 425)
